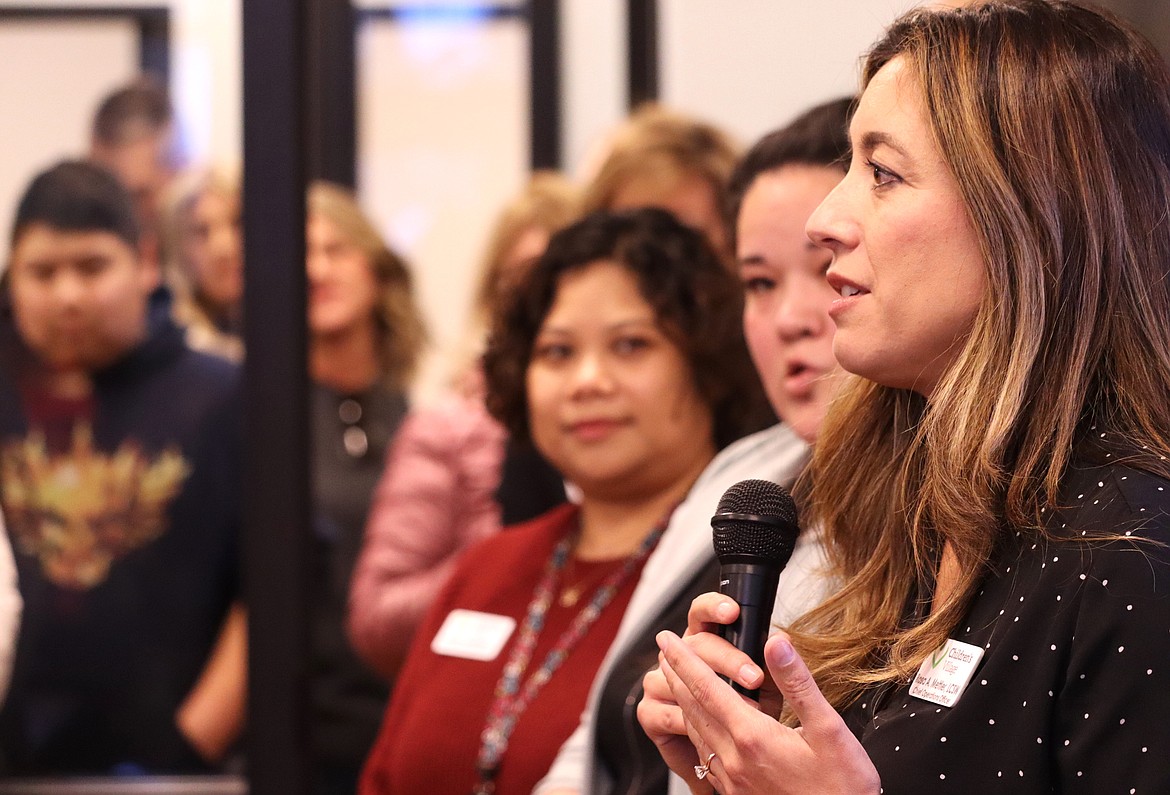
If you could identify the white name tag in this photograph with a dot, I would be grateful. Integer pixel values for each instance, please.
(943, 676)
(472, 635)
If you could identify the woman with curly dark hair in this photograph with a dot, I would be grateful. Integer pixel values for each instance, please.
(622, 359)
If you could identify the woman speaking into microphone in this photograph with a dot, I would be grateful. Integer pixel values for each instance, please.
(992, 484)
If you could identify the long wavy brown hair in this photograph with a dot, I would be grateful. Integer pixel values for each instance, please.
(1055, 121)
(399, 319)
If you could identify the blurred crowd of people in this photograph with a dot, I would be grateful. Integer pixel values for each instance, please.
(123, 326)
(493, 572)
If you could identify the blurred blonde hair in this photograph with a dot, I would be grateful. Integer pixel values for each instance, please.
(177, 207)
(660, 147)
(547, 203)
(399, 320)
(190, 309)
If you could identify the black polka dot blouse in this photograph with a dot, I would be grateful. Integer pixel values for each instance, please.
(1073, 692)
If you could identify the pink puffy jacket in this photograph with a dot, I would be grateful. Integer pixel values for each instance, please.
(435, 498)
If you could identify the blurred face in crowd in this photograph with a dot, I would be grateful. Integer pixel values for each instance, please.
(612, 400)
(907, 264)
(343, 290)
(786, 298)
(213, 249)
(143, 165)
(79, 297)
(690, 198)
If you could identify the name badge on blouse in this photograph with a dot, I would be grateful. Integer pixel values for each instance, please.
(943, 676)
(472, 635)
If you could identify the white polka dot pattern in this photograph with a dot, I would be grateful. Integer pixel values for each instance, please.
(1074, 688)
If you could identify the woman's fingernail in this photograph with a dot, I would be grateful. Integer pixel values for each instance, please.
(749, 675)
(662, 638)
(725, 611)
(784, 652)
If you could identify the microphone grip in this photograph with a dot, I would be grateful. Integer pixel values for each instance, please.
(753, 587)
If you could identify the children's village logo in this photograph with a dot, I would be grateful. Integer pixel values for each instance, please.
(81, 510)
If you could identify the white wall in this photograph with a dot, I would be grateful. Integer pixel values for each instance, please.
(593, 77)
(206, 77)
(747, 65)
(82, 63)
(49, 116)
(750, 65)
(205, 68)
(443, 130)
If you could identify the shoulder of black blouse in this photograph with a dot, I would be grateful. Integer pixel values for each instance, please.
(1113, 498)
(1118, 518)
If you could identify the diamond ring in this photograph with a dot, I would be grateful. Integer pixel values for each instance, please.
(702, 770)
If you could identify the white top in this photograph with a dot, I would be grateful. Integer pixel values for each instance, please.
(775, 454)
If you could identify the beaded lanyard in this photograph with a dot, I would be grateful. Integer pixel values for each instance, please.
(510, 701)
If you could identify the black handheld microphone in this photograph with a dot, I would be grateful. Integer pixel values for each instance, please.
(754, 531)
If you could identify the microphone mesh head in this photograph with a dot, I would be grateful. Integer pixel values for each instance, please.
(755, 518)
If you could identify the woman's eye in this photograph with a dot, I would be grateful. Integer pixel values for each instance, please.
(628, 345)
(881, 176)
(552, 352)
(758, 284)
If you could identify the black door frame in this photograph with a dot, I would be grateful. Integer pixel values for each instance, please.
(298, 125)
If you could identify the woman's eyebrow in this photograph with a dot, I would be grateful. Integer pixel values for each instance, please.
(872, 139)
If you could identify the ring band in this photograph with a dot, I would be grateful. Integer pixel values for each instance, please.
(702, 770)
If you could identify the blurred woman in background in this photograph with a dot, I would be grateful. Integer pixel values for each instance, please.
(203, 260)
(662, 158)
(365, 338)
(438, 494)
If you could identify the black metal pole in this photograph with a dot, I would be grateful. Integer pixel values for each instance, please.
(277, 502)
(154, 49)
(330, 93)
(642, 19)
(544, 28)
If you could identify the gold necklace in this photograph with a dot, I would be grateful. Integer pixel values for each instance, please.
(571, 594)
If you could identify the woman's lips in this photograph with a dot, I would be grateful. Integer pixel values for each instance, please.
(800, 378)
(594, 430)
(850, 293)
(842, 305)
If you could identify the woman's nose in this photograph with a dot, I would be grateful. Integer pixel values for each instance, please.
(315, 265)
(801, 311)
(591, 374)
(225, 241)
(829, 225)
